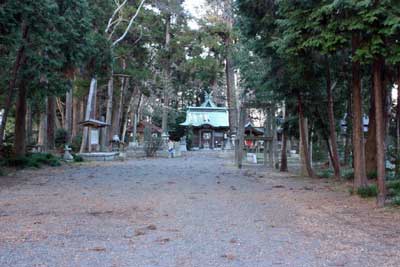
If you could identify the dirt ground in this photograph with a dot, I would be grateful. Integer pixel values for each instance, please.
(194, 211)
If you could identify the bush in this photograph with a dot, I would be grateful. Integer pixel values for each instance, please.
(368, 191)
(189, 139)
(61, 138)
(393, 188)
(372, 175)
(348, 175)
(76, 143)
(151, 143)
(6, 151)
(32, 161)
(394, 185)
(78, 158)
(396, 200)
(17, 162)
(325, 173)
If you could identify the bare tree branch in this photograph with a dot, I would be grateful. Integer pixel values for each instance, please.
(130, 24)
(110, 21)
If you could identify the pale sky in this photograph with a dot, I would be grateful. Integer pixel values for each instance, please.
(195, 8)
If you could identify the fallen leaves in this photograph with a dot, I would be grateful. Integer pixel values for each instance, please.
(163, 241)
(139, 232)
(152, 227)
(97, 249)
(230, 257)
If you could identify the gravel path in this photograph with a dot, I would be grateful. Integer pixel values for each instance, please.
(195, 211)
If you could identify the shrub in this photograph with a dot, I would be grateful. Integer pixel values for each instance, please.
(61, 138)
(76, 143)
(6, 151)
(368, 191)
(32, 161)
(189, 139)
(393, 188)
(348, 175)
(372, 175)
(394, 185)
(325, 173)
(151, 143)
(78, 158)
(351, 191)
(17, 162)
(396, 201)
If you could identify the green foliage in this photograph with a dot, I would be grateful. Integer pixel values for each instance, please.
(151, 143)
(348, 174)
(393, 189)
(76, 143)
(61, 138)
(78, 158)
(396, 200)
(372, 175)
(368, 191)
(32, 161)
(189, 138)
(327, 173)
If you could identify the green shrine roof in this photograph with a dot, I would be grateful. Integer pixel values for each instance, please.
(207, 114)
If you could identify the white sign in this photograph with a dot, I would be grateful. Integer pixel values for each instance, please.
(94, 137)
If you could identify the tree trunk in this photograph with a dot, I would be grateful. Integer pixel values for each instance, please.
(61, 110)
(284, 166)
(116, 119)
(129, 110)
(271, 134)
(20, 126)
(380, 135)
(167, 77)
(398, 124)
(358, 134)
(231, 92)
(370, 144)
(164, 123)
(274, 140)
(11, 84)
(76, 117)
(229, 68)
(304, 139)
(135, 119)
(240, 145)
(348, 139)
(109, 112)
(51, 122)
(68, 113)
(266, 144)
(42, 138)
(332, 123)
(29, 124)
(85, 135)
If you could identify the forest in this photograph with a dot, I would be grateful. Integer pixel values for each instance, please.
(323, 67)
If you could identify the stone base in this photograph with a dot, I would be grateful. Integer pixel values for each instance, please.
(99, 156)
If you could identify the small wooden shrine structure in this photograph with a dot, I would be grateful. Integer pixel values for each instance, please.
(210, 124)
(94, 128)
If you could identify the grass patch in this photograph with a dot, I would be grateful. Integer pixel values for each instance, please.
(372, 175)
(78, 158)
(368, 191)
(325, 173)
(393, 189)
(348, 175)
(396, 200)
(32, 161)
